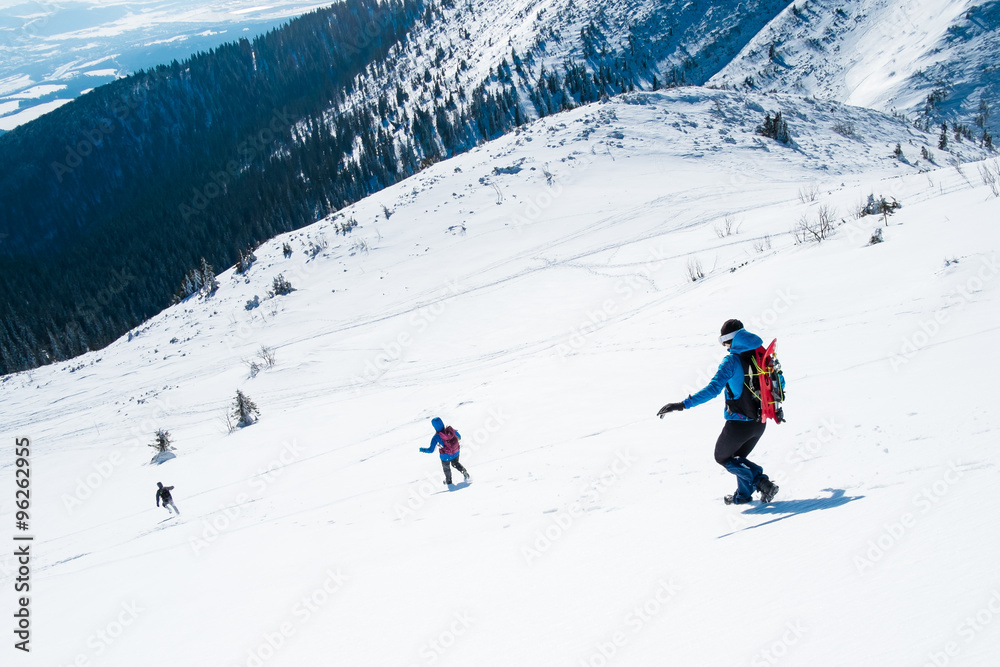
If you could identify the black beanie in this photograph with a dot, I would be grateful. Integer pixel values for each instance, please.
(730, 326)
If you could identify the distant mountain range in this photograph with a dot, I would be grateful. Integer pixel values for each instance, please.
(53, 52)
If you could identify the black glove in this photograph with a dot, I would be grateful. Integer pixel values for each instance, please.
(670, 407)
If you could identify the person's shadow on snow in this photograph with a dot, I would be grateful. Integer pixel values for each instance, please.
(790, 508)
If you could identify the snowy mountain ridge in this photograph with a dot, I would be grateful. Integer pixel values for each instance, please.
(928, 58)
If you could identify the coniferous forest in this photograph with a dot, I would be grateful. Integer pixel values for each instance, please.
(108, 203)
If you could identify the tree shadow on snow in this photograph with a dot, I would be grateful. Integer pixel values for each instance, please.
(789, 508)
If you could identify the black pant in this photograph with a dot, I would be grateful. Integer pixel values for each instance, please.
(448, 465)
(738, 438)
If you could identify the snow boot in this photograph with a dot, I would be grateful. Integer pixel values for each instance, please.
(768, 490)
(733, 500)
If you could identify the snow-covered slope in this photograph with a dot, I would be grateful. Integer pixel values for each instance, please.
(889, 56)
(535, 293)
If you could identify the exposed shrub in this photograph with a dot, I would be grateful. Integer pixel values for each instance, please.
(808, 193)
(694, 270)
(729, 226)
(845, 129)
(880, 206)
(817, 230)
(280, 286)
(775, 128)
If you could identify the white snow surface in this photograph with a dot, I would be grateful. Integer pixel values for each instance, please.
(547, 315)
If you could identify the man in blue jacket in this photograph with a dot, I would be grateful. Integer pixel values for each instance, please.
(743, 427)
(448, 439)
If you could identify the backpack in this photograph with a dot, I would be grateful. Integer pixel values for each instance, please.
(449, 441)
(763, 386)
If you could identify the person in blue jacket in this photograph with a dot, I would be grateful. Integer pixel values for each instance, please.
(743, 428)
(448, 439)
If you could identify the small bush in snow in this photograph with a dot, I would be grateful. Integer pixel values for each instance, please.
(729, 226)
(317, 246)
(845, 129)
(990, 173)
(280, 286)
(808, 230)
(244, 410)
(762, 245)
(808, 193)
(264, 359)
(880, 206)
(359, 246)
(266, 355)
(775, 128)
(346, 228)
(253, 303)
(876, 237)
(694, 270)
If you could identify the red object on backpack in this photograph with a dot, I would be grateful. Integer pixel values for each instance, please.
(767, 375)
(449, 441)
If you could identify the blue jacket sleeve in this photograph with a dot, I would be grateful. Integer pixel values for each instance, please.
(434, 443)
(728, 366)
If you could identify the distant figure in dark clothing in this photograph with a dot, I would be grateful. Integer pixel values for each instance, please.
(163, 493)
(448, 439)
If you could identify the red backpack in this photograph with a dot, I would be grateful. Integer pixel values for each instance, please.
(449, 440)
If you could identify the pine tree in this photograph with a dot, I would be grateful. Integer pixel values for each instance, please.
(161, 442)
(775, 128)
(244, 410)
(206, 275)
